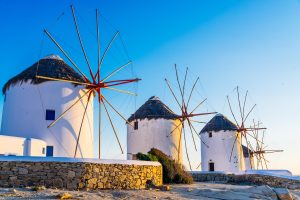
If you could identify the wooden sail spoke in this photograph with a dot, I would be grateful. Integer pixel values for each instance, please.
(79, 133)
(198, 135)
(60, 116)
(192, 133)
(179, 125)
(236, 137)
(117, 111)
(232, 112)
(240, 107)
(81, 43)
(178, 82)
(99, 130)
(121, 91)
(186, 150)
(184, 82)
(112, 125)
(249, 112)
(244, 105)
(98, 45)
(115, 71)
(67, 56)
(198, 105)
(64, 80)
(179, 145)
(190, 96)
(173, 94)
(107, 48)
(199, 122)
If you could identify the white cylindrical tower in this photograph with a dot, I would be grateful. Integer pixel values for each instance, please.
(249, 158)
(32, 104)
(221, 137)
(152, 124)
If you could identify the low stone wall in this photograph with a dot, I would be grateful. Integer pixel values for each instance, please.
(79, 175)
(256, 179)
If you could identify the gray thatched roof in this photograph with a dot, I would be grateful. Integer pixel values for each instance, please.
(219, 122)
(51, 66)
(246, 151)
(154, 108)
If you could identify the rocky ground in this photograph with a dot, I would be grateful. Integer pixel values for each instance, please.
(194, 191)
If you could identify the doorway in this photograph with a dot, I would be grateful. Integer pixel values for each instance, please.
(211, 166)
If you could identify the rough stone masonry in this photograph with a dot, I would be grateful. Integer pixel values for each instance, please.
(79, 175)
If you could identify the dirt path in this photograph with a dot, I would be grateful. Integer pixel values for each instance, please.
(194, 191)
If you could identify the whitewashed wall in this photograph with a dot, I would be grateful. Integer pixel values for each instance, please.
(19, 146)
(153, 133)
(249, 163)
(24, 116)
(219, 150)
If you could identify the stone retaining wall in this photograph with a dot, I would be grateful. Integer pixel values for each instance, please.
(79, 175)
(256, 179)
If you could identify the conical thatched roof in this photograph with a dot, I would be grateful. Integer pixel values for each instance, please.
(246, 151)
(51, 66)
(219, 123)
(154, 108)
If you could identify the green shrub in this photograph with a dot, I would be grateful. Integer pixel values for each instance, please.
(173, 172)
(146, 157)
(141, 156)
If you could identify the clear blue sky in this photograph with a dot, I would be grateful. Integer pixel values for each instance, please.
(254, 44)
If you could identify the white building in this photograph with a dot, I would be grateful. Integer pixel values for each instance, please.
(220, 135)
(31, 104)
(152, 124)
(17, 146)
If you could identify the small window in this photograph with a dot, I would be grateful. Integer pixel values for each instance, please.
(43, 150)
(50, 114)
(49, 151)
(209, 134)
(136, 125)
(211, 166)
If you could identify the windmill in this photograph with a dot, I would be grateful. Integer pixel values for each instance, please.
(243, 131)
(95, 82)
(260, 148)
(187, 115)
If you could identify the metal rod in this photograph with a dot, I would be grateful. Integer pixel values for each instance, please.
(67, 56)
(59, 117)
(112, 125)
